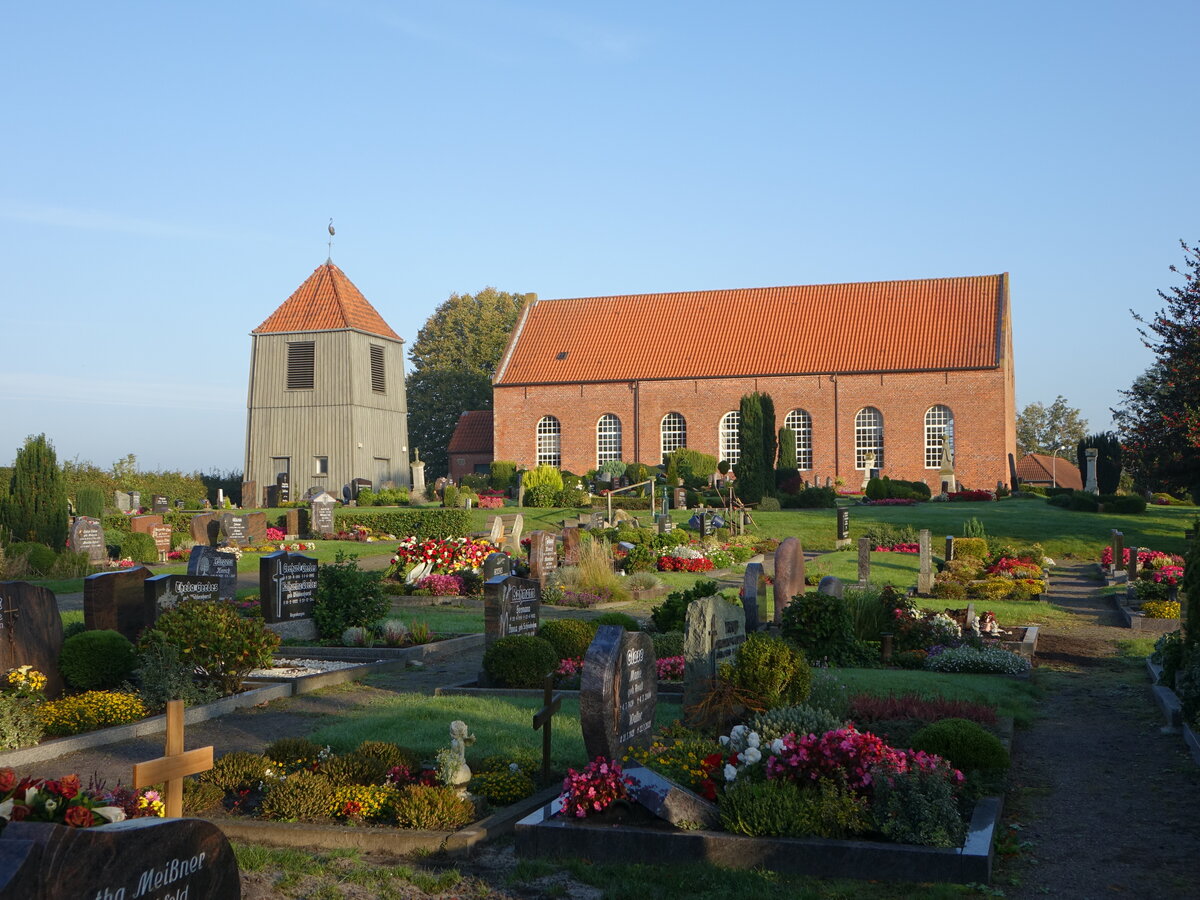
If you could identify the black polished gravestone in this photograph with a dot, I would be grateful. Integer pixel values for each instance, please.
(88, 537)
(210, 561)
(31, 632)
(754, 594)
(618, 692)
(116, 601)
(511, 605)
(168, 591)
(287, 586)
(147, 859)
(496, 565)
(159, 504)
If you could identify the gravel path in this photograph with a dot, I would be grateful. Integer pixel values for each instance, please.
(1106, 803)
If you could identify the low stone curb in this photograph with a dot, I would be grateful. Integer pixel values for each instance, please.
(1135, 621)
(56, 747)
(389, 840)
(471, 689)
(540, 835)
(1172, 710)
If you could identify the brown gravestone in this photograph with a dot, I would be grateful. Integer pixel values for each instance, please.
(618, 692)
(571, 542)
(116, 601)
(292, 522)
(211, 561)
(789, 574)
(249, 491)
(162, 537)
(144, 524)
(287, 586)
(256, 528)
(543, 555)
(31, 631)
(510, 606)
(204, 529)
(864, 560)
(754, 594)
(147, 858)
(1118, 552)
(88, 537)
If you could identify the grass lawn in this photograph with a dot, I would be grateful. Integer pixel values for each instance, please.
(442, 619)
(500, 725)
(1011, 696)
(897, 569)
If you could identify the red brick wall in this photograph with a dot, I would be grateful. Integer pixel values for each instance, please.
(982, 403)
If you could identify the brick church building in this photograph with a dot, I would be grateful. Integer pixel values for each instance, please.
(880, 367)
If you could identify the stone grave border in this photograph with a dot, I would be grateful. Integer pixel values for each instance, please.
(258, 691)
(1172, 710)
(385, 838)
(672, 690)
(539, 835)
(1135, 621)
(1027, 646)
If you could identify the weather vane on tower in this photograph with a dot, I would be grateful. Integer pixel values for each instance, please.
(331, 234)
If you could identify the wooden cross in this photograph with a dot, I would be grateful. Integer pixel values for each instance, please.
(544, 719)
(172, 767)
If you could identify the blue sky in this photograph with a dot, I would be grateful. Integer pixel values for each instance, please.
(168, 172)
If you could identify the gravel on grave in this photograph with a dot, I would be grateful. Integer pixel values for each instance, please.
(295, 668)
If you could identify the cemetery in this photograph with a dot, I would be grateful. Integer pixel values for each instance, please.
(833, 693)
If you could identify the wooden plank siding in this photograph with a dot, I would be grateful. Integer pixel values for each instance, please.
(341, 417)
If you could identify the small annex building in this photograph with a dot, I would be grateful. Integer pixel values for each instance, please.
(327, 402)
(470, 449)
(883, 368)
(1049, 471)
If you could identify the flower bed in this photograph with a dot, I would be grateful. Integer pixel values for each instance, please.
(971, 496)
(65, 801)
(445, 556)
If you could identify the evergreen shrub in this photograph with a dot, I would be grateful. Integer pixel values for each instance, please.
(520, 661)
(221, 645)
(772, 670)
(96, 660)
(347, 597)
(138, 547)
(966, 744)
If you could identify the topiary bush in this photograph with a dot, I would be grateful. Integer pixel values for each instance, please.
(303, 797)
(800, 719)
(503, 474)
(520, 661)
(772, 670)
(138, 547)
(96, 660)
(1123, 504)
(966, 744)
(970, 547)
(348, 597)
(569, 637)
(821, 626)
(432, 808)
(669, 643)
(221, 645)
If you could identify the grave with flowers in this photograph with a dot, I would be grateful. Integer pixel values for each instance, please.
(1151, 599)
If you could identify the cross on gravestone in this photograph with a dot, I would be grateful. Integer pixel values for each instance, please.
(925, 574)
(287, 586)
(175, 764)
(864, 560)
(789, 575)
(544, 719)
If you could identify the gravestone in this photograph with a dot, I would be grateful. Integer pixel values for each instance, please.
(843, 528)
(789, 574)
(1092, 486)
(31, 632)
(665, 525)
(832, 586)
(180, 504)
(117, 601)
(287, 586)
(713, 631)
(249, 492)
(1131, 567)
(162, 538)
(925, 575)
(144, 524)
(146, 858)
(679, 498)
(571, 541)
(158, 503)
(618, 692)
(88, 537)
(949, 547)
(543, 555)
(511, 605)
(754, 594)
(321, 512)
(204, 528)
(1118, 552)
(168, 591)
(596, 520)
(211, 561)
(121, 501)
(864, 560)
(235, 529)
(291, 523)
(135, 500)
(496, 565)
(828, 482)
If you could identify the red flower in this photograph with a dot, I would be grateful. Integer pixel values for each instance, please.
(78, 816)
(19, 812)
(68, 786)
(8, 778)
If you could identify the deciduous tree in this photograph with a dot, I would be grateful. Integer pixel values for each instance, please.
(1042, 429)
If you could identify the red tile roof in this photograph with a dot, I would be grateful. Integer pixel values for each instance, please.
(327, 301)
(473, 434)
(1038, 468)
(927, 325)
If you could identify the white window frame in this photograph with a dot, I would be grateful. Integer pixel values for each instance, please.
(672, 432)
(548, 442)
(868, 436)
(939, 420)
(728, 444)
(800, 422)
(608, 438)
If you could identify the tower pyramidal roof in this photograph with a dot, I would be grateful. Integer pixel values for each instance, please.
(327, 301)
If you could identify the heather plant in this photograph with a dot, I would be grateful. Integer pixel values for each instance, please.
(432, 808)
(238, 771)
(826, 809)
(917, 807)
(302, 797)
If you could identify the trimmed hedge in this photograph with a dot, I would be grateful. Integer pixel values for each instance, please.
(421, 523)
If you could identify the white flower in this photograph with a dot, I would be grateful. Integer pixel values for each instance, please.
(51, 805)
(724, 740)
(750, 756)
(777, 746)
(738, 731)
(112, 813)
(754, 740)
(730, 772)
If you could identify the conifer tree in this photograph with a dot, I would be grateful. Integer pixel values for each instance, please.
(768, 444)
(750, 469)
(36, 506)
